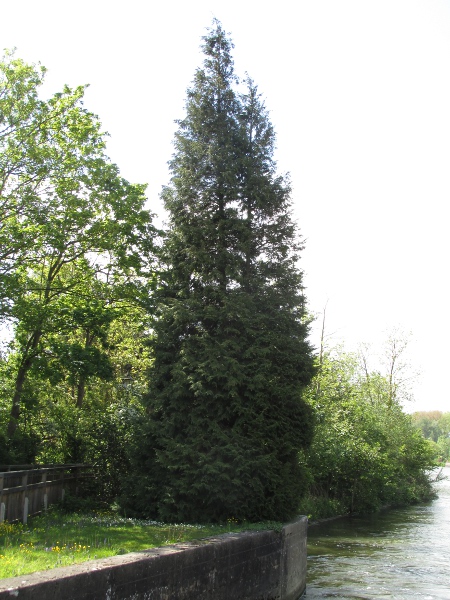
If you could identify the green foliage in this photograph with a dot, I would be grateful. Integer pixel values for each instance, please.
(321, 507)
(76, 265)
(55, 430)
(75, 238)
(226, 419)
(21, 448)
(366, 452)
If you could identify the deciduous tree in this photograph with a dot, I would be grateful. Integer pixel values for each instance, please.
(365, 451)
(71, 225)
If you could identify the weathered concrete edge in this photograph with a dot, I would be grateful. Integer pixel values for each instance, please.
(252, 565)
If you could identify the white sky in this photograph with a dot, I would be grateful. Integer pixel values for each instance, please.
(359, 94)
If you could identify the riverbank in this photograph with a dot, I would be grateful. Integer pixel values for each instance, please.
(328, 519)
(331, 509)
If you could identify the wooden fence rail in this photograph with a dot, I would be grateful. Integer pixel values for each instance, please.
(28, 492)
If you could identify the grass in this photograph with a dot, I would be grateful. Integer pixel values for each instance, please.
(58, 539)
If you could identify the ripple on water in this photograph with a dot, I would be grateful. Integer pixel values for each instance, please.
(399, 554)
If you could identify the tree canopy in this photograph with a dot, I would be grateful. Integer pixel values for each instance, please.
(75, 237)
(366, 452)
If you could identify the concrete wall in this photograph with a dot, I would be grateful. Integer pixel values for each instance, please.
(263, 565)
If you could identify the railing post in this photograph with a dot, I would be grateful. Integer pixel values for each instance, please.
(63, 491)
(2, 504)
(44, 481)
(25, 497)
(25, 511)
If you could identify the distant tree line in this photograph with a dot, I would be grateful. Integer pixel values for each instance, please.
(435, 426)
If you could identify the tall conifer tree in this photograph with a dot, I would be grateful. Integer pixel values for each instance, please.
(226, 415)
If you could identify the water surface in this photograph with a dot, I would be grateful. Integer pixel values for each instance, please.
(400, 553)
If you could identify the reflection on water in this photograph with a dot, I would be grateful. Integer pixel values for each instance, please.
(401, 554)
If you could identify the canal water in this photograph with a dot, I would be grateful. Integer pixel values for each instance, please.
(396, 554)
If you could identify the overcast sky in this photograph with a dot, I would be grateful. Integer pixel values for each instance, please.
(359, 95)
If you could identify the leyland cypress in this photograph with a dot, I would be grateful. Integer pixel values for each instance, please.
(226, 419)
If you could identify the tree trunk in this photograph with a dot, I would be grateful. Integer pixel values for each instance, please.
(81, 388)
(20, 381)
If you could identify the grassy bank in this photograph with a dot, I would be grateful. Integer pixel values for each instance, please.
(60, 539)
